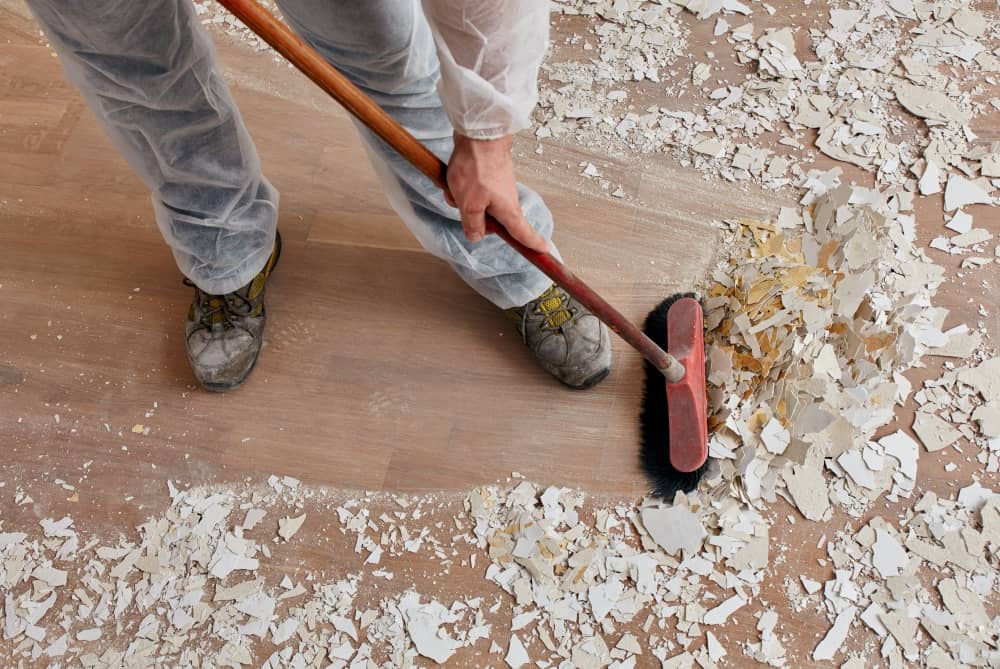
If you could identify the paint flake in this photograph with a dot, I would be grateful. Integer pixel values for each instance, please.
(516, 656)
(808, 489)
(423, 623)
(888, 557)
(961, 192)
(287, 527)
(775, 437)
(934, 433)
(721, 613)
(673, 528)
(834, 639)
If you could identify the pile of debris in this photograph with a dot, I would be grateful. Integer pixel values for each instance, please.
(811, 322)
(884, 571)
(589, 585)
(872, 63)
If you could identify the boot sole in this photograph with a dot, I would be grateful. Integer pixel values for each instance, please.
(223, 387)
(592, 381)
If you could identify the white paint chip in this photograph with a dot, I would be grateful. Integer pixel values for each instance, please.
(721, 613)
(673, 528)
(960, 223)
(811, 586)
(930, 181)
(888, 556)
(808, 488)
(423, 623)
(715, 650)
(934, 432)
(287, 527)
(516, 656)
(961, 192)
(775, 437)
(854, 464)
(834, 639)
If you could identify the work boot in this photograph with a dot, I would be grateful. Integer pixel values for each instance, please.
(570, 342)
(225, 332)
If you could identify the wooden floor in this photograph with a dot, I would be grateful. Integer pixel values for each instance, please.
(381, 369)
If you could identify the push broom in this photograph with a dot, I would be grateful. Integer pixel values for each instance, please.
(674, 416)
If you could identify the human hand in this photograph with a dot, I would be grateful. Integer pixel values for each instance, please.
(481, 180)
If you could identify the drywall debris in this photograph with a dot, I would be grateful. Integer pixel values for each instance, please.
(423, 624)
(517, 656)
(814, 317)
(888, 557)
(570, 581)
(961, 192)
(834, 639)
(930, 180)
(721, 613)
(928, 103)
(287, 527)
(673, 528)
(808, 489)
(934, 432)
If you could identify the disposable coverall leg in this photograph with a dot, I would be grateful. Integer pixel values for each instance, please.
(148, 71)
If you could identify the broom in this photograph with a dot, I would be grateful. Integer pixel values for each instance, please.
(674, 421)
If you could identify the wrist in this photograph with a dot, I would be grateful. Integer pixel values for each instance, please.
(484, 133)
(502, 144)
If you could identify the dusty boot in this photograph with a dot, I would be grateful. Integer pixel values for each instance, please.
(225, 332)
(569, 341)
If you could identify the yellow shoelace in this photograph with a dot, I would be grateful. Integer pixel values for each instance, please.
(551, 304)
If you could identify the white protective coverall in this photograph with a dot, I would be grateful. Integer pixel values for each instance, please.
(148, 71)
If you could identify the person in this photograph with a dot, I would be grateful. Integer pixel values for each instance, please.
(460, 75)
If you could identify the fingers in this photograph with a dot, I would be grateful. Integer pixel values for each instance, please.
(474, 223)
(527, 235)
(481, 179)
(508, 213)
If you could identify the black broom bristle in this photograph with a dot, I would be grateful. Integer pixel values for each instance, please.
(653, 421)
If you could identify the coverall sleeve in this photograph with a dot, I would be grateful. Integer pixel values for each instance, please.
(490, 52)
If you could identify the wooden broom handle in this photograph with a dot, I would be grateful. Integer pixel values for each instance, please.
(314, 66)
